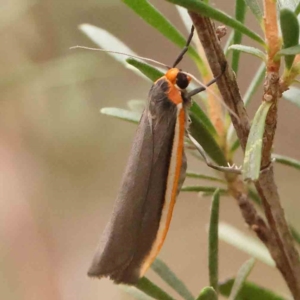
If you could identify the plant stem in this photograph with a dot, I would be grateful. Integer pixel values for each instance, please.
(281, 245)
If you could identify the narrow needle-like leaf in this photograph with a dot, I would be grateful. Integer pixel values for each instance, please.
(197, 188)
(134, 292)
(152, 290)
(107, 41)
(288, 161)
(196, 175)
(245, 243)
(249, 291)
(240, 12)
(208, 293)
(235, 145)
(249, 50)
(154, 18)
(293, 94)
(200, 132)
(211, 12)
(123, 114)
(290, 32)
(171, 279)
(213, 242)
(200, 114)
(149, 71)
(289, 51)
(241, 277)
(297, 9)
(255, 8)
(252, 159)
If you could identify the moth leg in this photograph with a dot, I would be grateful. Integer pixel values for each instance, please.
(229, 169)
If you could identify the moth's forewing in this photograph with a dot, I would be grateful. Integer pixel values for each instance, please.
(135, 220)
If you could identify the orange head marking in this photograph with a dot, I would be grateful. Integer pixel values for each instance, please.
(172, 75)
(178, 78)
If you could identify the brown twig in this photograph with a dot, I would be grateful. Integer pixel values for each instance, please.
(237, 189)
(271, 85)
(216, 60)
(280, 245)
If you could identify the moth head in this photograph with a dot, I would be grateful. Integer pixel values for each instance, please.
(178, 78)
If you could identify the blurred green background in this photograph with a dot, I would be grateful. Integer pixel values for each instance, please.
(61, 161)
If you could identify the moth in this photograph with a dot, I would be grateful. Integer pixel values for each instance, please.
(152, 180)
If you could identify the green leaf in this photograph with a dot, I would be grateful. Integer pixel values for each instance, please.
(292, 95)
(249, 50)
(213, 242)
(241, 277)
(171, 279)
(151, 72)
(255, 8)
(287, 161)
(200, 132)
(290, 32)
(252, 159)
(154, 18)
(255, 83)
(211, 12)
(249, 291)
(240, 12)
(122, 114)
(289, 51)
(107, 41)
(134, 292)
(295, 233)
(200, 114)
(208, 293)
(196, 175)
(197, 188)
(245, 243)
(152, 290)
(235, 145)
(297, 9)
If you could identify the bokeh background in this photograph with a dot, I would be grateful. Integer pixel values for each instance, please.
(61, 162)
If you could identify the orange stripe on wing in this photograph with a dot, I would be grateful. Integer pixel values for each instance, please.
(181, 120)
(171, 189)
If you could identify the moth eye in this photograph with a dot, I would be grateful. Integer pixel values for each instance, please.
(182, 81)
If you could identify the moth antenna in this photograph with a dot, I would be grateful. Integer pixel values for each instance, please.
(206, 87)
(121, 53)
(185, 49)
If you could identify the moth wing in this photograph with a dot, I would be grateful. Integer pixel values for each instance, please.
(132, 229)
